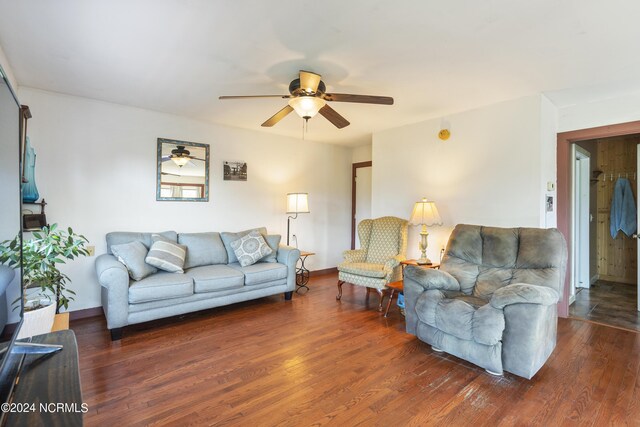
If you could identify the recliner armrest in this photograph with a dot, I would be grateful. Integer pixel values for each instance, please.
(523, 293)
(431, 278)
(354, 255)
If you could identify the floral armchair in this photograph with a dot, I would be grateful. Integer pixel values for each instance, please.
(383, 246)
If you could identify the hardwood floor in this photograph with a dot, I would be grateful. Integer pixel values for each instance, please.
(317, 361)
(608, 303)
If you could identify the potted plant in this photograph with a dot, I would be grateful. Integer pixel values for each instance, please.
(41, 255)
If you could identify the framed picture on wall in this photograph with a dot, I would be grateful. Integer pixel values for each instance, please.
(234, 171)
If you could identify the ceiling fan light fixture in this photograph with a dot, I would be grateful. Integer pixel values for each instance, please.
(307, 106)
(180, 161)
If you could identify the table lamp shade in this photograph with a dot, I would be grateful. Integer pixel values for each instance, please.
(297, 203)
(425, 213)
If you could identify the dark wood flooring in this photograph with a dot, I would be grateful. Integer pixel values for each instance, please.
(608, 303)
(317, 361)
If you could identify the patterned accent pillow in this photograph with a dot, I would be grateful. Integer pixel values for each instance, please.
(166, 255)
(273, 240)
(132, 255)
(250, 248)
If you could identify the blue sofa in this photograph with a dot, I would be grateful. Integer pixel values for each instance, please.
(212, 277)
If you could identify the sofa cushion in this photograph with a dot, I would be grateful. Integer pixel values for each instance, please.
(120, 237)
(211, 278)
(273, 240)
(261, 272)
(228, 237)
(161, 285)
(132, 255)
(203, 249)
(166, 255)
(363, 269)
(250, 248)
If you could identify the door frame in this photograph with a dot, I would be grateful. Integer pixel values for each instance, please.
(563, 164)
(354, 172)
(581, 245)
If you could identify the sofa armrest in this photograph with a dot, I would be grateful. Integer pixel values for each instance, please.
(289, 256)
(429, 278)
(114, 278)
(354, 255)
(523, 293)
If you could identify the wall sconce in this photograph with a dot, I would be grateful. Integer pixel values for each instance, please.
(445, 130)
(444, 134)
(296, 203)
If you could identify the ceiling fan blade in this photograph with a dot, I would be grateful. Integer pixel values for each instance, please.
(333, 116)
(309, 81)
(170, 174)
(253, 96)
(198, 158)
(278, 116)
(363, 99)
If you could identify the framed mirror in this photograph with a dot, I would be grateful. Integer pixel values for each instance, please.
(183, 171)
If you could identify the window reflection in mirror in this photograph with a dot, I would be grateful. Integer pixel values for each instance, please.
(183, 171)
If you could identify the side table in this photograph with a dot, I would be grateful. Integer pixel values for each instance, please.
(398, 287)
(302, 272)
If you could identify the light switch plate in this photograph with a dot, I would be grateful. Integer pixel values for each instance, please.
(551, 186)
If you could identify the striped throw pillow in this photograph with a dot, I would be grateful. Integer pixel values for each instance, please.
(166, 255)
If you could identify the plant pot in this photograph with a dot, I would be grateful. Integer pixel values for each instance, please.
(38, 321)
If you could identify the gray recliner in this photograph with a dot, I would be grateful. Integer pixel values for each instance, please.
(494, 300)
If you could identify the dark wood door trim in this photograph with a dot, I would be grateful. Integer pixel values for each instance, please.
(563, 150)
(353, 199)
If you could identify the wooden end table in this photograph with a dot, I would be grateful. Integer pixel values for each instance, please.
(415, 262)
(399, 285)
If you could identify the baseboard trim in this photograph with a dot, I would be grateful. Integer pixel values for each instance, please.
(594, 279)
(84, 313)
(331, 270)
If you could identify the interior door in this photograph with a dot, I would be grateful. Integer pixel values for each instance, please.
(638, 224)
(363, 196)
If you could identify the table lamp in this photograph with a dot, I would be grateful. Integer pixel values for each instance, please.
(296, 203)
(425, 213)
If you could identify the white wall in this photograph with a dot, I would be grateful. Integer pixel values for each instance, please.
(604, 112)
(96, 168)
(4, 63)
(361, 154)
(490, 172)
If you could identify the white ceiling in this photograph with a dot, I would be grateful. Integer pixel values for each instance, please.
(433, 57)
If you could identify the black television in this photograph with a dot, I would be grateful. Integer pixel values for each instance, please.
(10, 226)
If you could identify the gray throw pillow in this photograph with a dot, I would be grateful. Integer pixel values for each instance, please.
(132, 255)
(203, 249)
(166, 255)
(228, 237)
(250, 248)
(273, 240)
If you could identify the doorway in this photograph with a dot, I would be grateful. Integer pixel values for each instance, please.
(360, 197)
(581, 219)
(604, 279)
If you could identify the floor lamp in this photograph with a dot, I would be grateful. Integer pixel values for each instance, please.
(425, 213)
(296, 203)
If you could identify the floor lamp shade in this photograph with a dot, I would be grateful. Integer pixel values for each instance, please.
(296, 203)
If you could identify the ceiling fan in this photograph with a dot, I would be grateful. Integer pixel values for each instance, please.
(308, 97)
(180, 156)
